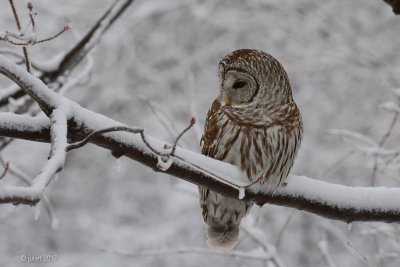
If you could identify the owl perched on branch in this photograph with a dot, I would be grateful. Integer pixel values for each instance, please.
(254, 124)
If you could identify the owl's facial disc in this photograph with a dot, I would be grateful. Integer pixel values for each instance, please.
(238, 88)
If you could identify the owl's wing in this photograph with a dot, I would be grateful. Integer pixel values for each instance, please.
(209, 148)
(208, 141)
(283, 146)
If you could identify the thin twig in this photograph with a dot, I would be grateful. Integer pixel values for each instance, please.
(131, 130)
(337, 163)
(359, 253)
(102, 131)
(114, 129)
(381, 143)
(15, 14)
(64, 29)
(282, 230)
(30, 7)
(32, 42)
(267, 248)
(390, 129)
(26, 58)
(6, 165)
(192, 122)
(323, 248)
(24, 50)
(161, 116)
(159, 154)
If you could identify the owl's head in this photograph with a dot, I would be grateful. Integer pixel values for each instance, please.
(252, 77)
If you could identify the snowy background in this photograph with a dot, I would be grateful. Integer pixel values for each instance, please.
(157, 66)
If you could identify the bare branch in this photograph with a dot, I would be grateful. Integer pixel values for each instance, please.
(192, 122)
(64, 29)
(6, 165)
(24, 49)
(33, 42)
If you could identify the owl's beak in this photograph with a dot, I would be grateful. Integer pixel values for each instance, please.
(227, 101)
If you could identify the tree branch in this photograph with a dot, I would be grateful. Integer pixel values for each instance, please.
(332, 201)
(395, 4)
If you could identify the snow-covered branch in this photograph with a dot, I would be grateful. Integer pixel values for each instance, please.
(395, 4)
(329, 200)
(58, 138)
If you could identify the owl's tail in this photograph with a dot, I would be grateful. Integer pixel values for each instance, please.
(222, 216)
(222, 237)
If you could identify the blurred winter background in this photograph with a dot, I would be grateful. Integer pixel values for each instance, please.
(155, 68)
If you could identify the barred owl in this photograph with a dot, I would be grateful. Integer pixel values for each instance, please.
(254, 124)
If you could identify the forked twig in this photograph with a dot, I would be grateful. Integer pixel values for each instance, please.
(163, 156)
(131, 130)
(192, 122)
(33, 42)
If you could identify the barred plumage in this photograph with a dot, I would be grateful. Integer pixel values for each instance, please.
(254, 124)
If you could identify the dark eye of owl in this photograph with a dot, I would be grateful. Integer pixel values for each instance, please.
(238, 84)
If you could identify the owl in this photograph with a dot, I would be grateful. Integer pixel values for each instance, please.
(253, 124)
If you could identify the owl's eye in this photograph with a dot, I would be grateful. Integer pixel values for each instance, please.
(238, 84)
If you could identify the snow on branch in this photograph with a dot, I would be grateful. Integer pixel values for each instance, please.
(55, 163)
(329, 200)
(18, 126)
(395, 4)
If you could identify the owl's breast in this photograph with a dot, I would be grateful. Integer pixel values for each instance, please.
(244, 146)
